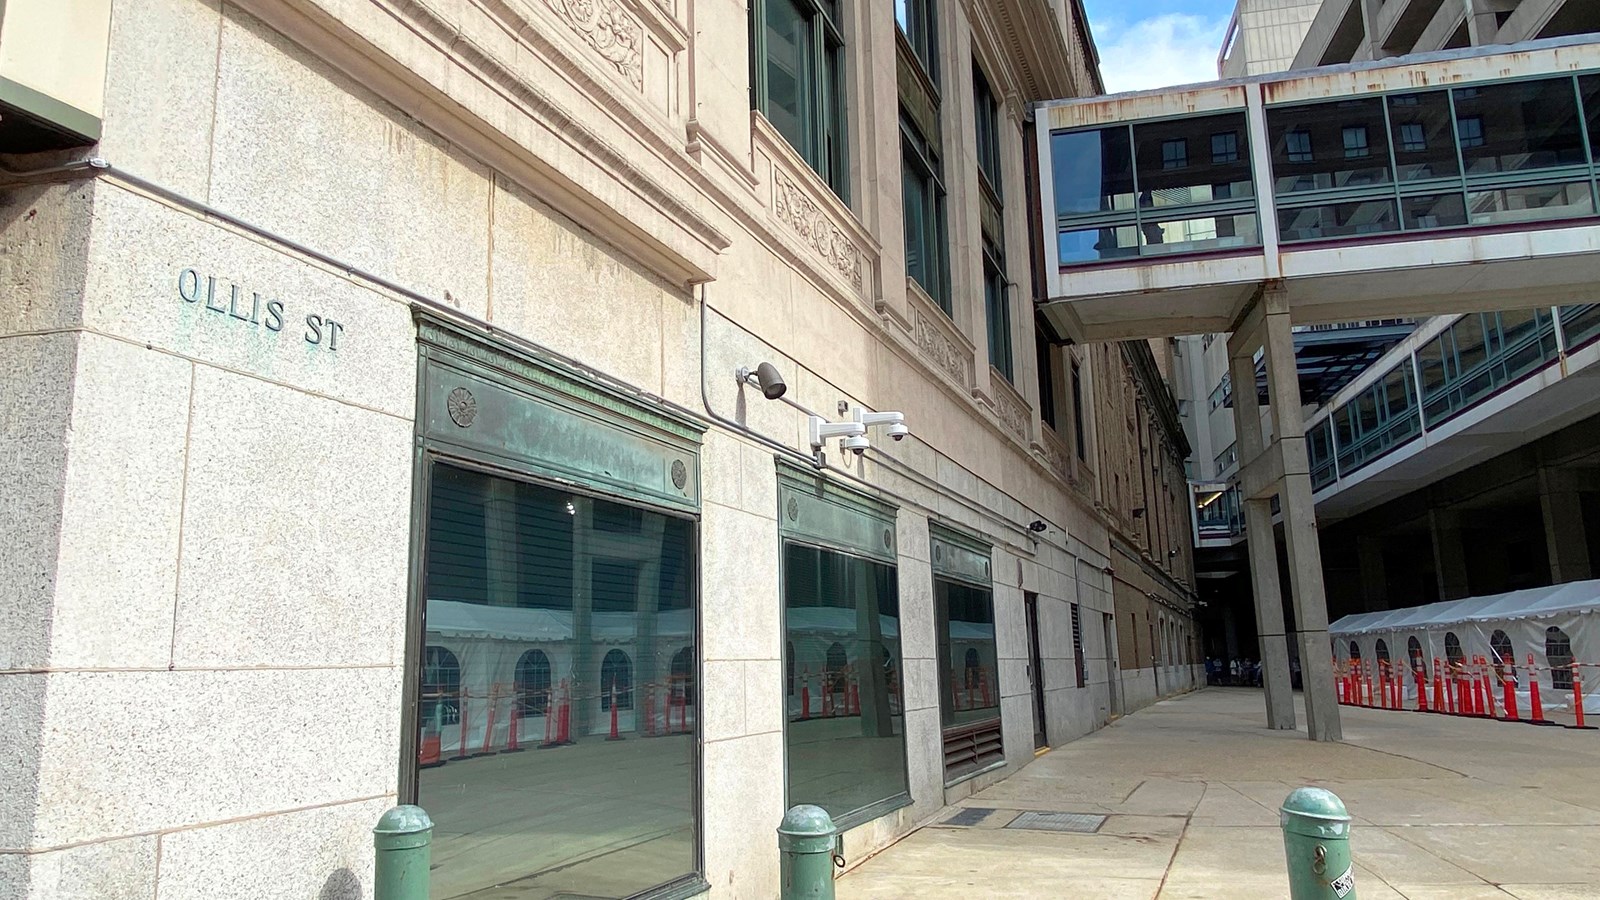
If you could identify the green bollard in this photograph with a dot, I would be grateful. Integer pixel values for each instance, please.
(806, 841)
(402, 838)
(1316, 841)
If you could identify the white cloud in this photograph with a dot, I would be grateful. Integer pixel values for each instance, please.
(1159, 51)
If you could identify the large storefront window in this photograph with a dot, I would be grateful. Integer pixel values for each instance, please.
(969, 701)
(845, 730)
(551, 729)
(549, 629)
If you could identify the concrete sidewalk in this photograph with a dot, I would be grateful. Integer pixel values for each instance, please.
(1444, 808)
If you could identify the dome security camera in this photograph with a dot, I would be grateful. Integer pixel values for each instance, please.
(857, 443)
(898, 431)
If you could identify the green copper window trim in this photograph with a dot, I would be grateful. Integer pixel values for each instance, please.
(814, 510)
(487, 401)
(960, 556)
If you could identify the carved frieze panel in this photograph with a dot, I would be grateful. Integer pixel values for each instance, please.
(1010, 409)
(937, 347)
(613, 32)
(795, 206)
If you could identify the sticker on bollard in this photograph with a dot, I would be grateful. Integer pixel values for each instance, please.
(1345, 883)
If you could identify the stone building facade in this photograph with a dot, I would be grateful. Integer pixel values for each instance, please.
(373, 433)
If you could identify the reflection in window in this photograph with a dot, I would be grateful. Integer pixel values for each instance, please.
(1299, 146)
(1558, 656)
(548, 600)
(1174, 154)
(966, 638)
(1520, 126)
(1469, 131)
(923, 204)
(683, 677)
(1412, 138)
(1355, 142)
(1225, 147)
(1093, 171)
(441, 688)
(1423, 144)
(845, 736)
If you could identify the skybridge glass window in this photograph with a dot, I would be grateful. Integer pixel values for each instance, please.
(1423, 145)
(1153, 188)
(1356, 126)
(1520, 126)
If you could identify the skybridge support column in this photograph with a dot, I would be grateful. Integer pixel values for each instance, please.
(1263, 547)
(1299, 520)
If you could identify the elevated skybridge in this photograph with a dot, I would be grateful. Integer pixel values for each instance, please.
(1413, 186)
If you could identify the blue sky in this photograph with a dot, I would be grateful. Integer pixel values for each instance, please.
(1154, 43)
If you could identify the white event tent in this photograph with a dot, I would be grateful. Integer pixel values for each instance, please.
(1556, 625)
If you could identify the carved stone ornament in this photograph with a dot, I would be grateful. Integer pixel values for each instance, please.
(462, 406)
(613, 33)
(1055, 458)
(1010, 413)
(939, 350)
(794, 206)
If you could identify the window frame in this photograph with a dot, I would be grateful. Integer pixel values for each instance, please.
(923, 37)
(829, 89)
(919, 159)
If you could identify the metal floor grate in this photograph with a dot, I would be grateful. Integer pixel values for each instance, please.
(1077, 823)
(970, 816)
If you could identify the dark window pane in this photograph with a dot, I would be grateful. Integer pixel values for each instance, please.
(1433, 211)
(965, 632)
(987, 116)
(1337, 220)
(1225, 147)
(1093, 244)
(1589, 87)
(1047, 377)
(517, 648)
(1166, 176)
(845, 737)
(1470, 342)
(1519, 126)
(1530, 203)
(791, 104)
(999, 319)
(1422, 147)
(1352, 130)
(1093, 171)
(1077, 414)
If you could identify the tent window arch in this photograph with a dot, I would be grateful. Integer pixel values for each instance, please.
(441, 687)
(1505, 656)
(616, 680)
(837, 662)
(1452, 649)
(533, 682)
(683, 677)
(1382, 650)
(1355, 651)
(1414, 651)
(1558, 654)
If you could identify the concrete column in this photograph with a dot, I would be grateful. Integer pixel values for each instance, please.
(1300, 525)
(1262, 545)
(1564, 533)
(1449, 559)
(1374, 578)
(500, 541)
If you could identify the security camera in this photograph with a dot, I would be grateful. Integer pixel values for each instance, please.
(895, 420)
(856, 442)
(853, 434)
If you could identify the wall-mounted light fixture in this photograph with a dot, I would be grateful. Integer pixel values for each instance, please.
(765, 377)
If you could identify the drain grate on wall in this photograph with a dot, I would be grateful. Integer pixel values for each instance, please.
(1077, 823)
(968, 817)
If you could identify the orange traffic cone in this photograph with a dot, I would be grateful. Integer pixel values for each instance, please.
(1577, 699)
(1535, 707)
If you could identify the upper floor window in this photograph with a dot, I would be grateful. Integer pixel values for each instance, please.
(917, 21)
(923, 204)
(797, 81)
(1174, 154)
(987, 115)
(1225, 147)
(1355, 142)
(1299, 146)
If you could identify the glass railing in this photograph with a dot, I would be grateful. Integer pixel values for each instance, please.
(1580, 324)
(1480, 354)
(1379, 419)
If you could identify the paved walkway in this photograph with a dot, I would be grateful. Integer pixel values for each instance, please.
(1444, 808)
